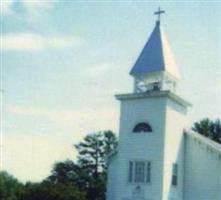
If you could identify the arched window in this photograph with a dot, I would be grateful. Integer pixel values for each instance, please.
(142, 127)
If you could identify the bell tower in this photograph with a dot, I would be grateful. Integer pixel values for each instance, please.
(149, 161)
(155, 68)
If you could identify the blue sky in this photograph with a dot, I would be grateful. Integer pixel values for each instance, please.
(63, 61)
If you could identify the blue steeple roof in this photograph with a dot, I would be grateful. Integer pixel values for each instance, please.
(155, 56)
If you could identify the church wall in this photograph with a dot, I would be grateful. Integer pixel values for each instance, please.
(202, 170)
(141, 146)
(112, 178)
(176, 120)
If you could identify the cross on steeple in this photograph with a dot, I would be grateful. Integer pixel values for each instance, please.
(159, 12)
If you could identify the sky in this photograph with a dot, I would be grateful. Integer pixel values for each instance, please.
(62, 62)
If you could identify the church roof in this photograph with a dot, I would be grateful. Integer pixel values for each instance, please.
(204, 140)
(156, 55)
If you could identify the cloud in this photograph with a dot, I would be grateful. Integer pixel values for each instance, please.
(24, 153)
(81, 121)
(36, 4)
(31, 156)
(34, 8)
(95, 70)
(99, 68)
(36, 42)
(6, 6)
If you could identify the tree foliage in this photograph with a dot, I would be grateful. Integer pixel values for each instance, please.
(209, 128)
(10, 188)
(93, 152)
(47, 190)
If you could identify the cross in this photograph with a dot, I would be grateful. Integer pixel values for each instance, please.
(159, 12)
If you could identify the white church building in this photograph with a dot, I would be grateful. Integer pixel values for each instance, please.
(156, 158)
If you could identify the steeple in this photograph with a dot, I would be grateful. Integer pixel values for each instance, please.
(155, 68)
(149, 160)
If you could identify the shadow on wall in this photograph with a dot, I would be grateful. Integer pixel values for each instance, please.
(176, 187)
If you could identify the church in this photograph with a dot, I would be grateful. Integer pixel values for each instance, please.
(157, 159)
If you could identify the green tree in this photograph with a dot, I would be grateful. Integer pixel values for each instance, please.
(63, 172)
(209, 128)
(216, 131)
(68, 172)
(110, 144)
(93, 151)
(10, 188)
(203, 127)
(47, 190)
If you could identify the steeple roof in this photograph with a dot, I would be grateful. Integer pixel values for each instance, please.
(156, 55)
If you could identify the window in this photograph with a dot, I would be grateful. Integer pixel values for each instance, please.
(175, 174)
(139, 172)
(142, 127)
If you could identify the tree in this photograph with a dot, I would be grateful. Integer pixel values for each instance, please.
(10, 188)
(47, 190)
(216, 131)
(94, 149)
(92, 157)
(63, 172)
(68, 172)
(209, 128)
(203, 127)
(110, 144)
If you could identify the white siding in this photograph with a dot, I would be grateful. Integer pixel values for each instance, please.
(112, 178)
(176, 121)
(199, 160)
(162, 147)
(202, 170)
(141, 146)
